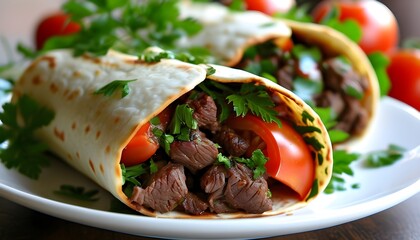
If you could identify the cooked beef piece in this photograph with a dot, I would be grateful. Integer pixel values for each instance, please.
(285, 76)
(338, 76)
(218, 203)
(196, 154)
(235, 189)
(165, 191)
(331, 99)
(354, 118)
(213, 179)
(233, 143)
(245, 193)
(205, 112)
(194, 205)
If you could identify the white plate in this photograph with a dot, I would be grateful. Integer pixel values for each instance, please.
(379, 189)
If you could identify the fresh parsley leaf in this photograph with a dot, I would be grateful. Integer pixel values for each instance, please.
(23, 151)
(385, 157)
(380, 63)
(337, 135)
(153, 167)
(183, 116)
(299, 14)
(223, 160)
(110, 88)
(130, 174)
(256, 100)
(78, 193)
(341, 166)
(165, 140)
(256, 163)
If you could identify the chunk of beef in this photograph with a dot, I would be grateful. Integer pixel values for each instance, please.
(331, 99)
(231, 142)
(196, 154)
(285, 76)
(194, 205)
(339, 76)
(213, 179)
(205, 112)
(235, 189)
(245, 193)
(165, 191)
(354, 118)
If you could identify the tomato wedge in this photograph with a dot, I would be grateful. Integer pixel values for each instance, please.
(143, 145)
(289, 158)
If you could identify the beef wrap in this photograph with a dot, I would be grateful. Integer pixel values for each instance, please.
(339, 77)
(91, 131)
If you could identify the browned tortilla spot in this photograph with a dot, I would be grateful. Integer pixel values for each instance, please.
(53, 88)
(73, 95)
(97, 73)
(108, 149)
(69, 157)
(91, 165)
(101, 168)
(59, 134)
(50, 60)
(117, 171)
(92, 59)
(87, 129)
(76, 74)
(78, 155)
(98, 134)
(37, 80)
(73, 125)
(117, 120)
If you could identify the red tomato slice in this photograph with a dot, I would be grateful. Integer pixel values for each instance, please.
(290, 160)
(57, 24)
(143, 145)
(270, 7)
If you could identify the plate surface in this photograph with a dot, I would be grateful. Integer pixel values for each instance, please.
(379, 189)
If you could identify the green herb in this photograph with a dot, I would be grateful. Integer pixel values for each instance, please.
(314, 190)
(385, 157)
(165, 140)
(354, 92)
(210, 71)
(183, 117)
(342, 162)
(237, 6)
(223, 160)
(380, 63)
(124, 25)
(256, 163)
(306, 116)
(23, 151)
(130, 174)
(153, 167)
(78, 193)
(337, 136)
(256, 100)
(219, 98)
(299, 14)
(113, 86)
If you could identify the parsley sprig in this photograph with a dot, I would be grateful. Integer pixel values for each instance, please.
(385, 157)
(22, 150)
(79, 193)
(256, 162)
(110, 88)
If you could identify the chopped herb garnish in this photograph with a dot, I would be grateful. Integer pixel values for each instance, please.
(385, 157)
(23, 151)
(223, 160)
(256, 162)
(342, 162)
(337, 136)
(380, 63)
(153, 167)
(210, 71)
(251, 98)
(183, 117)
(165, 140)
(130, 174)
(110, 88)
(78, 193)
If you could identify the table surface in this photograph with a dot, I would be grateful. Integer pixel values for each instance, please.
(399, 222)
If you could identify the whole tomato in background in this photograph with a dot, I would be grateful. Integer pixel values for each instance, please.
(404, 73)
(379, 25)
(269, 6)
(56, 24)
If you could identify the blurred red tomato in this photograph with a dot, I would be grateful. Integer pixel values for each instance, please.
(404, 73)
(378, 23)
(270, 6)
(57, 24)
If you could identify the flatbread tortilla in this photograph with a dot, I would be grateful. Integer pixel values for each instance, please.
(90, 131)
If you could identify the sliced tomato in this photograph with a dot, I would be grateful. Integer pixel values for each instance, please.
(289, 158)
(56, 24)
(143, 145)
